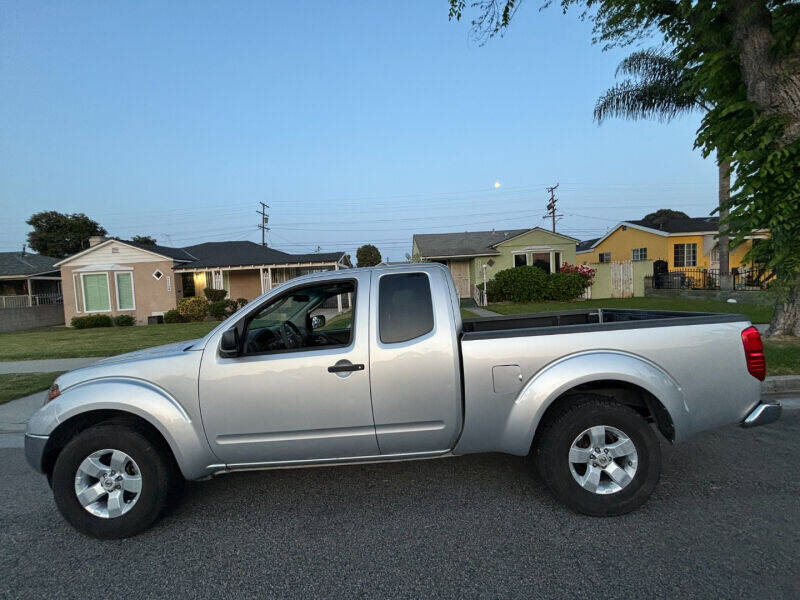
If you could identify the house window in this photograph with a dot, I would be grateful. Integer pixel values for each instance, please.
(715, 254)
(685, 255)
(604, 257)
(639, 254)
(157, 275)
(125, 299)
(96, 297)
(520, 260)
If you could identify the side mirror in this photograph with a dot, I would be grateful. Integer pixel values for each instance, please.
(317, 321)
(229, 343)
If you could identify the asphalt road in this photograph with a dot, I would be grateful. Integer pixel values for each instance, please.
(724, 523)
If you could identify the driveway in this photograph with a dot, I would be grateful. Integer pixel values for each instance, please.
(723, 523)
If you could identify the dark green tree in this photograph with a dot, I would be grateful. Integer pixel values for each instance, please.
(368, 256)
(743, 56)
(58, 235)
(144, 239)
(659, 218)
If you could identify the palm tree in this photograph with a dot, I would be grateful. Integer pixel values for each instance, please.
(657, 87)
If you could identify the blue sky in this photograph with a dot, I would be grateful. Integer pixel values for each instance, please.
(355, 121)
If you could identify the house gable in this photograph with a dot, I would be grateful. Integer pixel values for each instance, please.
(621, 241)
(111, 251)
(537, 237)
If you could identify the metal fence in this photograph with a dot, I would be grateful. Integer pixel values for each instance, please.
(28, 301)
(744, 278)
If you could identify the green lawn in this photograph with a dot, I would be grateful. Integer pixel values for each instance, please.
(468, 314)
(65, 342)
(755, 312)
(783, 357)
(17, 385)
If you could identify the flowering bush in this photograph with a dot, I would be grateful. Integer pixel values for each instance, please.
(584, 270)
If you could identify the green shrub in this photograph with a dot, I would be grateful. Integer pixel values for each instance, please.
(532, 284)
(173, 316)
(565, 286)
(240, 302)
(217, 309)
(222, 309)
(124, 321)
(215, 295)
(89, 321)
(193, 309)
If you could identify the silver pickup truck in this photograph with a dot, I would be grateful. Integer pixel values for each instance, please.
(377, 365)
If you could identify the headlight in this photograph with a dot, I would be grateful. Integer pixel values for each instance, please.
(52, 393)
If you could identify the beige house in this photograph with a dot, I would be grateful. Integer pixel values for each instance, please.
(117, 277)
(472, 254)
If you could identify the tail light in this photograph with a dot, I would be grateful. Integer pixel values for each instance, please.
(754, 353)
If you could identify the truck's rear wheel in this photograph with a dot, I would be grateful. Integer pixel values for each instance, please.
(598, 457)
(111, 481)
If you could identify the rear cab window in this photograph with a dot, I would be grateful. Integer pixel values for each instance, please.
(405, 307)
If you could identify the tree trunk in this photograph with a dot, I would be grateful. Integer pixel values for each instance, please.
(773, 83)
(724, 194)
(786, 319)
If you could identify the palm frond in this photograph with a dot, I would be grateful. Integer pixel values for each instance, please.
(643, 100)
(657, 88)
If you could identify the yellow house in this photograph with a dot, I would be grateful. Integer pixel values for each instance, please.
(683, 243)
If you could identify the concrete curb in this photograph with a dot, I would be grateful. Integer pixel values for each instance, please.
(782, 384)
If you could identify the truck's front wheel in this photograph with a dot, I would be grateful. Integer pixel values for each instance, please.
(111, 481)
(600, 458)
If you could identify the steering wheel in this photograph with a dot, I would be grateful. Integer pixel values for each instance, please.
(292, 338)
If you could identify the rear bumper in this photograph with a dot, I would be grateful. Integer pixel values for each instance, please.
(34, 450)
(765, 412)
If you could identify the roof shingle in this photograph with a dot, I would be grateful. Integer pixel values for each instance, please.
(17, 263)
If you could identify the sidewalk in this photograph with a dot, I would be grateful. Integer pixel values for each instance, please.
(14, 417)
(47, 365)
(482, 312)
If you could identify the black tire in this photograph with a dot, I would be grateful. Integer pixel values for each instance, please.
(559, 433)
(158, 480)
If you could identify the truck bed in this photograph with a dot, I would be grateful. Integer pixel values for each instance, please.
(582, 320)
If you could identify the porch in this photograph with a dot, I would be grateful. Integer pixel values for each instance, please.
(250, 281)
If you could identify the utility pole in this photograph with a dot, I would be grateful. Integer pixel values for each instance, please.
(264, 222)
(551, 206)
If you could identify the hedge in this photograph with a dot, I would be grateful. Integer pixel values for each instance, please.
(124, 321)
(532, 284)
(90, 321)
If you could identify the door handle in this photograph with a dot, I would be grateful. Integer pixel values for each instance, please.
(337, 368)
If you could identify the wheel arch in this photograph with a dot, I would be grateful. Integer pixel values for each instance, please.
(140, 403)
(624, 377)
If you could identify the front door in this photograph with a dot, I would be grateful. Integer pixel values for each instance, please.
(300, 389)
(459, 269)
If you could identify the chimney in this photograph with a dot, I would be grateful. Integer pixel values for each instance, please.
(96, 239)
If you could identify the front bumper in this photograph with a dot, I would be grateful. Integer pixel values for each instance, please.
(34, 450)
(765, 412)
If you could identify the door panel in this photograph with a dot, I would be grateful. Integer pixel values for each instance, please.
(288, 406)
(416, 384)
